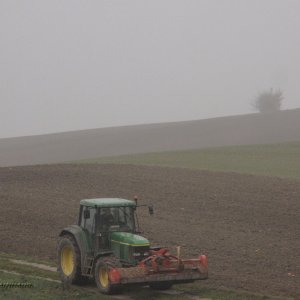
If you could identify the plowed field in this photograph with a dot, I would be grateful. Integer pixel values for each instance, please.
(249, 226)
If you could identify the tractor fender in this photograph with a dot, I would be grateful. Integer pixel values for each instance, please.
(102, 254)
(81, 239)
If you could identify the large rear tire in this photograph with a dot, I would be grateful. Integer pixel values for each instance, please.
(102, 268)
(69, 260)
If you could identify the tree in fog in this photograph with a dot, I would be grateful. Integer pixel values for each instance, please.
(268, 101)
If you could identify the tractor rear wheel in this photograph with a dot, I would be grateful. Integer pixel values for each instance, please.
(161, 285)
(102, 268)
(69, 264)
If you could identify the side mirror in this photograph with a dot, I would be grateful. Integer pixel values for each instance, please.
(86, 214)
(151, 210)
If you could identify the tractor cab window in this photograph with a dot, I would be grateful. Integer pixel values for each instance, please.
(126, 218)
(116, 219)
(106, 218)
(89, 219)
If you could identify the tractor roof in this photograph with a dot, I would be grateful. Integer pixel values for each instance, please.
(107, 202)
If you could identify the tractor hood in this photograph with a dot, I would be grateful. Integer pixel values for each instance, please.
(130, 239)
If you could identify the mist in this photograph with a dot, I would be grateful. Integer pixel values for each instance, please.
(69, 65)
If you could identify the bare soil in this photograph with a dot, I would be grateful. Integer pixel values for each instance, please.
(247, 225)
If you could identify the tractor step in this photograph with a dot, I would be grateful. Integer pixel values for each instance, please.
(88, 266)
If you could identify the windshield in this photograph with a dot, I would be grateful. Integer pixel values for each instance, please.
(117, 219)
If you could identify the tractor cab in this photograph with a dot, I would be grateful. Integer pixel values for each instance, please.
(100, 218)
(111, 225)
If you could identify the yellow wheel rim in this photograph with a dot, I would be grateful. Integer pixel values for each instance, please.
(103, 277)
(67, 260)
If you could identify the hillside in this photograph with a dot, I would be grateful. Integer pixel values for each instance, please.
(85, 144)
(275, 160)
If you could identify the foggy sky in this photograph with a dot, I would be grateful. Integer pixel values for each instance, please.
(68, 65)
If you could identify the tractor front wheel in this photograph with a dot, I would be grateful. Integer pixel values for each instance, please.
(102, 269)
(68, 255)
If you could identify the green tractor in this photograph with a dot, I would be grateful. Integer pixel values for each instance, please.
(105, 246)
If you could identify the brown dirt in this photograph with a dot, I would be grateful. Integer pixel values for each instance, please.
(247, 225)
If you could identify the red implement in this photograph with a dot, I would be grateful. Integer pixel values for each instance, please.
(161, 265)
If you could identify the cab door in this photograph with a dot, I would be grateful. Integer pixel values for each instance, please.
(88, 223)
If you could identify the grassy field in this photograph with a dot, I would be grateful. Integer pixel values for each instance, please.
(42, 284)
(282, 160)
